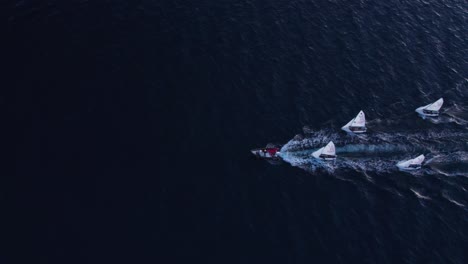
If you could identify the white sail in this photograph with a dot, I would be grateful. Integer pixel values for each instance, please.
(317, 153)
(326, 153)
(435, 106)
(329, 149)
(412, 163)
(418, 160)
(404, 164)
(359, 120)
(356, 125)
(345, 127)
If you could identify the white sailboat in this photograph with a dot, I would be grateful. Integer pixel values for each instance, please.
(431, 109)
(326, 153)
(356, 125)
(412, 164)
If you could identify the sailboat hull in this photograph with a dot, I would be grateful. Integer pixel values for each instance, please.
(405, 168)
(318, 155)
(328, 158)
(354, 130)
(325, 158)
(421, 111)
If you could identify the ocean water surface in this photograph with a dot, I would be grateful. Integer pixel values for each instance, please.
(135, 120)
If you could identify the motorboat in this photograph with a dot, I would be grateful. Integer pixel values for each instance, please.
(269, 152)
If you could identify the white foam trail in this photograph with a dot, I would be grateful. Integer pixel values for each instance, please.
(446, 151)
(319, 138)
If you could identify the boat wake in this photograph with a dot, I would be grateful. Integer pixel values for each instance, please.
(446, 151)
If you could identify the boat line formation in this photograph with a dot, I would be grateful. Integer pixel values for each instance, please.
(357, 125)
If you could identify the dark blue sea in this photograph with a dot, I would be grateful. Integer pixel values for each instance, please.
(134, 121)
